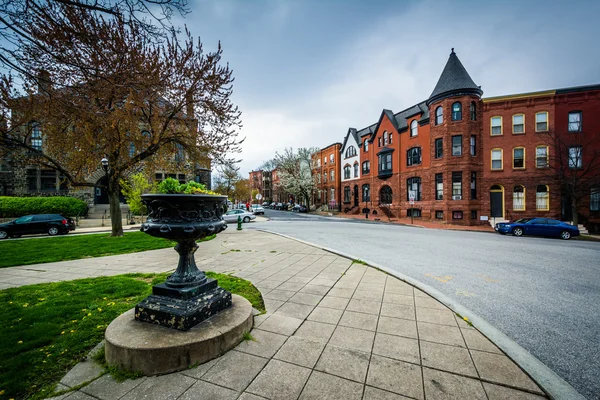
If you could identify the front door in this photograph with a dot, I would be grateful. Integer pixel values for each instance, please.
(355, 195)
(496, 202)
(566, 208)
(101, 196)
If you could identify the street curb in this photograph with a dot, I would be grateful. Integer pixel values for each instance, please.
(549, 381)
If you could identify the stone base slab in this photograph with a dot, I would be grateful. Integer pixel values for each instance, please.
(182, 314)
(153, 349)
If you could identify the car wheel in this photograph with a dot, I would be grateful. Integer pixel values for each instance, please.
(53, 231)
(517, 232)
(566, 235)
(3, 235)
(246, 219)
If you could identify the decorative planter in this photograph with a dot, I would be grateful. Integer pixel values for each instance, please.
(188, 296)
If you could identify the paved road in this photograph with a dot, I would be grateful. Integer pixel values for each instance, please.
(542, 293)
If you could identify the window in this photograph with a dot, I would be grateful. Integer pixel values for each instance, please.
(318, 178)
(385, 162)
(391, 137)
(181, 178)
(319, 194)
(497, 159)
(541, 156)
(356, 170)
(366, 192)
(48, 180)
(439, 148)
(518, 123)
(347, 194)
(473, 185)
(542, 197)
(332, 198)
(473, 110)
(473, 146)
(350, 152)
(575, 157)
(36, 136)
(347, 172)
(319, 163)
(473, 214)
(413, 186)
(180, 153)
(385, 138)
(496, 126)
(457, 185)
(331, 175)
(331, 158)
(457, 145)
(439, 186)
(456, 111)
(324, 160)
(439, 115)
(131, 150)
(366, 167)
(366, 145)
(413, 156)
(519, 198)
(519, 158)
(595, 199)
(385, 195)
(379, 142)
(541, 121)
(413, 212)
(414, 128)
(575, 121)
(457, 215)
(439, 214)
(325, 177)
(32, 180)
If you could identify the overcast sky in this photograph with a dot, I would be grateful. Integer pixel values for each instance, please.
(306, 71)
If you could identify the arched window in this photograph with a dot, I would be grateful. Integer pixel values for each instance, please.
(385, 195)
(456, 111)
(519, 198)
(439, 115)
(346, 172)
(542, 198)
(356, 169)
(473, 110)
(350, 151)
(385, 138)
(413, 186)
(366, 192)
(414, 128)
(36, 136)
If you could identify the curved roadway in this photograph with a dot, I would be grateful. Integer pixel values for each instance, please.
(542, 293)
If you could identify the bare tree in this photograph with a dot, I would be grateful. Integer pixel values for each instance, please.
(129, 97)
(227, 177)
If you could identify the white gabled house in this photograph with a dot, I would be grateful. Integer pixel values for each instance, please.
(350, 168)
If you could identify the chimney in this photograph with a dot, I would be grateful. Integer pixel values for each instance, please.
(44, 81)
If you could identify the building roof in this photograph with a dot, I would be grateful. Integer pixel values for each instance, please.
(454, 80)
(351, 131)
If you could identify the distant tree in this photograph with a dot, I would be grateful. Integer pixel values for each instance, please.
(133, 188)
(241, 190)
(108, 87)
(295, 173)
(227, 177)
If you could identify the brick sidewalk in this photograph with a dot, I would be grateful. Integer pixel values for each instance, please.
(333, 330)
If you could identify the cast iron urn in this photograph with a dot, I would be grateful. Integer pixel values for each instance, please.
(188, 296)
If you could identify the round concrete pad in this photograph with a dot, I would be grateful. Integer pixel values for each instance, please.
(154, 349)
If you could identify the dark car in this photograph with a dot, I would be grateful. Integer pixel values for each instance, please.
(538, 227)
(52, 224)
(300, 208)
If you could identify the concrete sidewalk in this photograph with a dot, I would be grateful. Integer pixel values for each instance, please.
(333, 330)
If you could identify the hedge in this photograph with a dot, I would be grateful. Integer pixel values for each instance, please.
(11, 207)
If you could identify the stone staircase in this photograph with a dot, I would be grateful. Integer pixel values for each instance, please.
(99, 215)
(583, 230)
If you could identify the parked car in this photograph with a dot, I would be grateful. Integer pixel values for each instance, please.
(265, 204)
(273, 205)
(52, 224)
(299, 208)
(538, 227)
(258, 210)
(281, 206)
(232, 216)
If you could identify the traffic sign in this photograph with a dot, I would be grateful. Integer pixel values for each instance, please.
(411, 197)
(258, 196)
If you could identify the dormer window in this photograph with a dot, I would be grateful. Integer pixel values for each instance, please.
(350, 151)
(439, 115)
(456, 111)
(385, 138)
(414, 128)
(366, 145)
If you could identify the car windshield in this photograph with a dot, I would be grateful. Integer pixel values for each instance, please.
(24, 220)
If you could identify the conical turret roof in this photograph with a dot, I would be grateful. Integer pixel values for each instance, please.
(454, 80)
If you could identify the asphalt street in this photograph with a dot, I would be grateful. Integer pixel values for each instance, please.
(542, 293)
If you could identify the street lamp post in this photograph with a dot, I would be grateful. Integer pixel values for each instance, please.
(104, 163)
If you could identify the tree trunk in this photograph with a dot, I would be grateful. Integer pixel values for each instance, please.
(116, 220)
(574, 210)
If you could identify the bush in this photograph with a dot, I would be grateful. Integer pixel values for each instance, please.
(12, 207)
(133, 189)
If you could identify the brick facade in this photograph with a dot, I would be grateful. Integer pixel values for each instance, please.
(325, 165)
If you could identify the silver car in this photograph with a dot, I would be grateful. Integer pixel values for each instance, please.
(232, 216)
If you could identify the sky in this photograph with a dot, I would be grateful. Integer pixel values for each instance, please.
(306, 71)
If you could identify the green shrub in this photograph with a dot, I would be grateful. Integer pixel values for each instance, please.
(133, 189)
(169, 186)
(12, 207)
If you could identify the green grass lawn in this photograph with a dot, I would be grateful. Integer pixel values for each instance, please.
(46, 329)
(61, 248)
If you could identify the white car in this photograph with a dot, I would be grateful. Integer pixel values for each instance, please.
(258, 210)
(232, 216)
